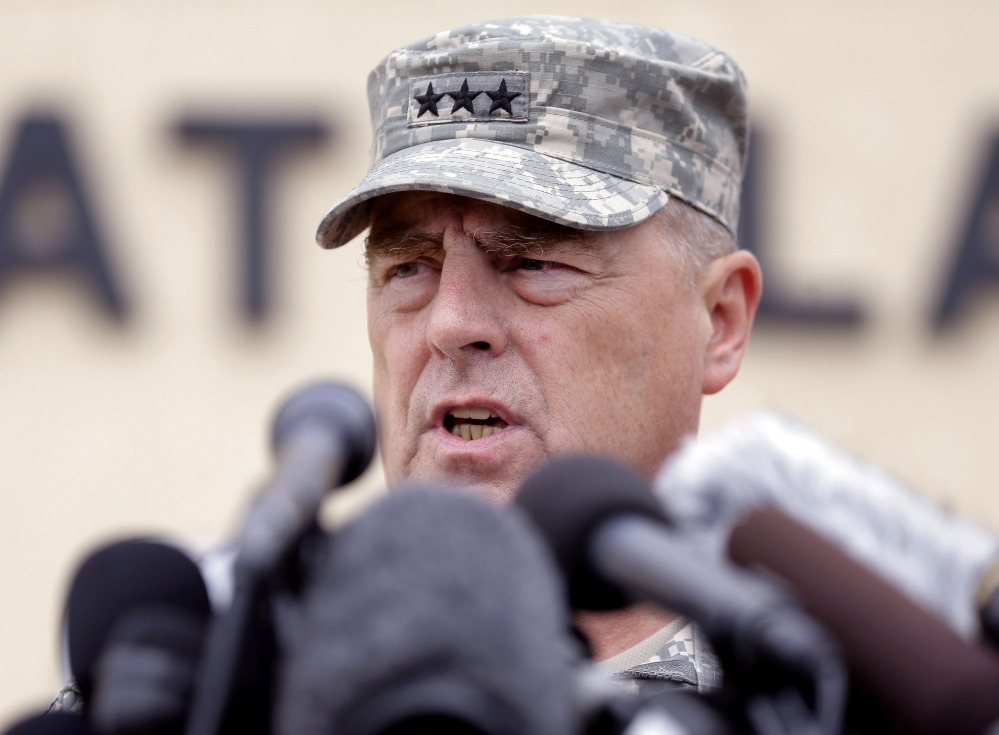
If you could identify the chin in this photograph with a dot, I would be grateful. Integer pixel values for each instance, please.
(499, 495)
(493, 492)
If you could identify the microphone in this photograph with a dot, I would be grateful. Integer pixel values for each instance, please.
(933, 557)
(131, 577)
(145, 677)
(610, 538)
(323, 436)
(911, 662)
(431, 612)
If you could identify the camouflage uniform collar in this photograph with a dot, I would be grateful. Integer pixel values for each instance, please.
(677, 655)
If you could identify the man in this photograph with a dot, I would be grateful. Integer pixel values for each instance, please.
(552, 269)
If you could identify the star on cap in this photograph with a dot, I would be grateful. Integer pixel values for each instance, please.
(501, 98)
(428, 101)
(463, 98)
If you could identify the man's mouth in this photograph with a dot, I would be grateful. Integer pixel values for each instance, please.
(473, 422)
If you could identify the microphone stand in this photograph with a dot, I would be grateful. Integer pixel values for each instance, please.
(284, 511)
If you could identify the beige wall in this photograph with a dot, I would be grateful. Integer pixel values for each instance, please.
(879, 115)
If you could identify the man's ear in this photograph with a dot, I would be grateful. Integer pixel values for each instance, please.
(731, 287)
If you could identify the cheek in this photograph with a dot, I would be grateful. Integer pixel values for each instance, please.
(621, 382)
(399, 354)
(378, 331)
(398, 351)
(583, 363)
(596, 342)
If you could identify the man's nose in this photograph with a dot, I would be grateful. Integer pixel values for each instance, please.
(466, 316)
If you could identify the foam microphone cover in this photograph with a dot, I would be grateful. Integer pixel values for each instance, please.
(915, 666)
(122, 577)
(762, 460)
(433, 611)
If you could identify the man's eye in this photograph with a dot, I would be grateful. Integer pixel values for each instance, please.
(530, 264)
(406, 270)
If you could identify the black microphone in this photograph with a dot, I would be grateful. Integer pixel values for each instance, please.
(612, 541)
(925, 676)
(323, 436)
(129, 577)
(431, 612)
(145, 677)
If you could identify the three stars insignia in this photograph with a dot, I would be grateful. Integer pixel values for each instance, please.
(463, 98)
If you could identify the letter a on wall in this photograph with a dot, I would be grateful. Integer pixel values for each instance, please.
(46, 221)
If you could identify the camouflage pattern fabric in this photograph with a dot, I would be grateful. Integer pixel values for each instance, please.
(680, 656)
(592, 124)
(69, 699)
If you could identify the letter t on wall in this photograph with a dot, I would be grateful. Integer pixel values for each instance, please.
(256, 147)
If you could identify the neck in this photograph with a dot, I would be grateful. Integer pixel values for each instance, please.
(614, 631)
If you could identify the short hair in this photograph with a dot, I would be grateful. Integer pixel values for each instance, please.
(695, 238)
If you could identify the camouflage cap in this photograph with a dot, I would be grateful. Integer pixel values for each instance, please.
(592, 124)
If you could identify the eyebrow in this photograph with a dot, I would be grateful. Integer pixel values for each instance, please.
(400, 242)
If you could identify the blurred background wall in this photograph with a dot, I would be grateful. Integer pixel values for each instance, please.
(141, 405)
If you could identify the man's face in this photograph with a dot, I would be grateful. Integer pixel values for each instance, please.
(487, 322)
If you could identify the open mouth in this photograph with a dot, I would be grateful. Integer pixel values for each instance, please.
(473, 422)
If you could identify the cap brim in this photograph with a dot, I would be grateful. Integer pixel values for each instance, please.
(520, 178)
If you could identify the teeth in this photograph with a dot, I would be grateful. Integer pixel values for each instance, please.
(472, 412)
(474, 431)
